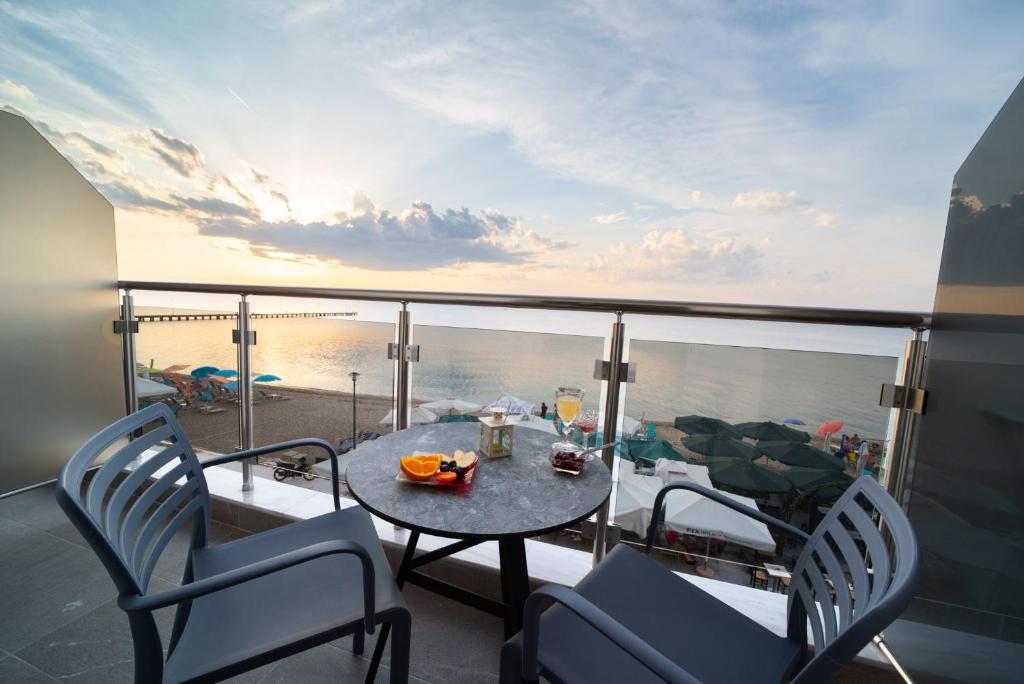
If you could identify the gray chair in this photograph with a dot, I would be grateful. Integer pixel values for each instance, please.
(242, 604)
(631, 620)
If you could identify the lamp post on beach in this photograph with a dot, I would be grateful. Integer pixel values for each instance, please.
(354, 375)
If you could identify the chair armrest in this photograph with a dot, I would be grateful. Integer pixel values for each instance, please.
(281, 446)
(726, 501)
(208, 585)
(615, 631)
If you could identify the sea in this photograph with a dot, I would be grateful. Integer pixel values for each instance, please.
(738, 371)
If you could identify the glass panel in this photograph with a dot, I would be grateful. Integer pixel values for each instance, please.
(752, 419)
(185, 358)
(305, 352)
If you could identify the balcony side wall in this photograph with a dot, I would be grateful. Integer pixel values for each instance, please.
(60, 362)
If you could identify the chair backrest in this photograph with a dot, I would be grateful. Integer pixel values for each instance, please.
(128, 522)
(850, 582)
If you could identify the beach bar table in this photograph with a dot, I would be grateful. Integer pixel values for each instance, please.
(777, 573)
(508, 500)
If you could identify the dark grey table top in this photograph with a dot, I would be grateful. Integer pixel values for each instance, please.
(517, 496)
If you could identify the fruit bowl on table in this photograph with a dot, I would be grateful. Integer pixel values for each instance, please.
(568, 458)
(438, 470)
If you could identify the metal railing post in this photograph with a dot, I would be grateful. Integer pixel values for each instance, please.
(611, 425)
(899, 473)
(245, 433)
(401, 402)
(127, 330)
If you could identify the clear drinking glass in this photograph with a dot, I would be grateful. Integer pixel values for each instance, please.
(587, 423)
(567, 404)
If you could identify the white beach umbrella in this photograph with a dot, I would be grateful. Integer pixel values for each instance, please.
(629, 425)
(510, 405)
(678, 471)
(531, 422)
(149, 389)
(418, 416)
(690, 513)
(451, 404)
(634, 499)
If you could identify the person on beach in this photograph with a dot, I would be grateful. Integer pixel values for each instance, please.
(543, 410)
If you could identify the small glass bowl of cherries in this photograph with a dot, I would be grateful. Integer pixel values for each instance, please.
(567, 457)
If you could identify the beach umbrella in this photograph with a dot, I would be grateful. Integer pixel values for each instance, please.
(680, 471)
(510, 405)
(794, 421)
(648, 452)
(739, 473)
(203, 371)
(629, 425)
(815, 478)
(418, 416)
(266, 377)
(703, 425)
(829, 426)
(767, 430)
(451, 404)
(233, 385)
(727, 447)
(634, 500)
(803, 455)
(149, 389)
(227, 373)
(691, 513)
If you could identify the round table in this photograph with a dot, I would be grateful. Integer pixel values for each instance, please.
(508, 500)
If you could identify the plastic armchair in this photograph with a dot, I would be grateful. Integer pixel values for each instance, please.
(242, 604)
(634, 621)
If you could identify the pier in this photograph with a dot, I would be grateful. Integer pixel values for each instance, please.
(156, 318)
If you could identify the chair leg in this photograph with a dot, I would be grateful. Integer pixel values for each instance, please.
(510, 671)
(359, 641)
(401, 641)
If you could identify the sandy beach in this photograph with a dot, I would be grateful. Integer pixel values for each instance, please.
(300, 412)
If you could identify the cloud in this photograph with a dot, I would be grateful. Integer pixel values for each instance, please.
(17, 90)
(825, 220)
(260, 178)
(181, 156)
(608, 219)
(768, 201)
(71, 139)
(419, 238)
(126, 196)
(674, 254)
(818, 277)
(283, 198)
(216, 207)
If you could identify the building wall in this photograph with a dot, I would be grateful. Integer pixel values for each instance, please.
(60, 362)
(967, 492)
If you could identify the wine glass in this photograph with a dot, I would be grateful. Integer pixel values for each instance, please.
(587, 423)
(567, 405)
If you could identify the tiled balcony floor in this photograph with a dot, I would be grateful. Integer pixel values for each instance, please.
(59, 622)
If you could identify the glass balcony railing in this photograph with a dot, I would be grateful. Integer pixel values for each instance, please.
(784, 370)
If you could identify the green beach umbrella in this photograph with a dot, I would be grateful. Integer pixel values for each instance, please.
(713, 445)
(802, 455)
(747, 476)
(768, 431)
(815, 478)
(649, 452)
(703, 425)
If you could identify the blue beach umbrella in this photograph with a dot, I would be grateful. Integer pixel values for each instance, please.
(228, 373)
(233, 385)
(203, 372)
(266, 377)
(794, 421)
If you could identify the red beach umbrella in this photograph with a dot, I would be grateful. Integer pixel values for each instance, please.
(830, 426)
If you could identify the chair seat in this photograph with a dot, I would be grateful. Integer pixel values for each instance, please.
(704, 636)
(320, 599)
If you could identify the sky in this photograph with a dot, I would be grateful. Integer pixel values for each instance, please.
(785, 153)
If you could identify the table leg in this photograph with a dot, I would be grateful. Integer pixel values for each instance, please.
(385, 629)
(515, 582)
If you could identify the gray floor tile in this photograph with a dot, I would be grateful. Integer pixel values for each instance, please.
(96, 647)
(46, 582)
(450, 642)
(326, 664)
(37, 508)
(15, 671)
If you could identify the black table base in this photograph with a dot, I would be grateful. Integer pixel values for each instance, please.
(515, 585)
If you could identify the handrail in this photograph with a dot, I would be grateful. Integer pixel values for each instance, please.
(756, 312)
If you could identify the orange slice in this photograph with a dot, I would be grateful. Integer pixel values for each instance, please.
(420, 467)
(446, 477)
